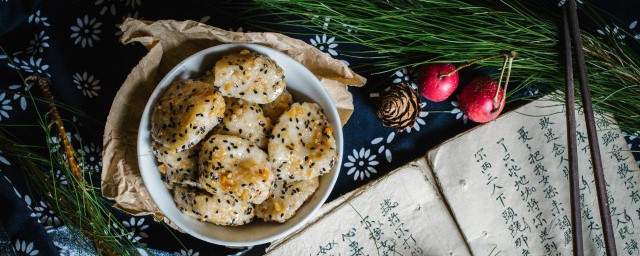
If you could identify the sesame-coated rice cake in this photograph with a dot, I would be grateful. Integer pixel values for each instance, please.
(177, 167)
(250, 76)
(246, 120)
(302, 145)
(285, 199)
(233, 165)
(185, 113)
(218, 209)
(275, 109)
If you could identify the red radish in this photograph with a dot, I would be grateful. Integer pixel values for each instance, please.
(432, 85)
(477, 100)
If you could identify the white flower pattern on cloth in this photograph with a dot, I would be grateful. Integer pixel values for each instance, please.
(419, 121)
(613, 31)
(107, 6)
(189, 252)
(326, 22)
(18, 95)
(4, 160)
(562, 2)
(60, 177)
(63, 250)
(239, 29)
(87, 84)
(37, 19)
(404, 76)
(457, 112)
(46, 216)
(91, 156)
(38, 43)
(383, 148)
(86, 31)
(135, 230)
(325, 44)
(5, 106)
(27, 200)
(33, 65)
(14, 187)
(24, 248)
(132, 3)
(55, 142)
(632, 26)
(361, 164)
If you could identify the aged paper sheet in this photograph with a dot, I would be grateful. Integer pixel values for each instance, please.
(399, 214)
(507, 185)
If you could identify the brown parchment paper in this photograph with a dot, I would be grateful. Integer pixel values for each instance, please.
(169, 42)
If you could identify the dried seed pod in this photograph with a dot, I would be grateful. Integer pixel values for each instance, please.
(399, 107)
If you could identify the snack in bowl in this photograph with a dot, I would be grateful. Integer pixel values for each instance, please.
(235, 166)
(247, 120)
(285, 199)
(221, 155)
(225, 225)
(177, 167)
(302, 146)
(220, 210)
(249, 76)
(274, 109)
(185, 113)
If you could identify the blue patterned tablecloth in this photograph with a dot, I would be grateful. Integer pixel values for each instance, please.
(75, 43)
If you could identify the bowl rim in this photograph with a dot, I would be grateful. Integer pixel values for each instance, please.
(335, 171)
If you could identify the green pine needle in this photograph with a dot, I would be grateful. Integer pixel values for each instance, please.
(408, 33)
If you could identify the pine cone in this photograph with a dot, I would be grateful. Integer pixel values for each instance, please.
(399, 107)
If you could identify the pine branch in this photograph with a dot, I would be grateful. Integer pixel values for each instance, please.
(408, 33)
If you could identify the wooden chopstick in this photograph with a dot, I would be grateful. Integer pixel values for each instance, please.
(603, 204)
(574, 174)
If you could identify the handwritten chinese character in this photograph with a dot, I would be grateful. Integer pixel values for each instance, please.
(347, 236)
(480, 155)
(539, 220)
(550, 192)
(544, 123)
(550, 135)
(513, 170)
(401, 231)
(509, 215)
(635, 196)
(623, 170)
(523, 135)
(528, 191)
(355, 249)
(631, 246)
(535, 157)
(408, 242)
(532, 205)
(544, 235)
(387, 206)
(393, 219)
(556, 208)
(539, 169)
(501, 143)
(630, 183)
(521, 181)
(609, 137)
(616, 153)
(325, 249)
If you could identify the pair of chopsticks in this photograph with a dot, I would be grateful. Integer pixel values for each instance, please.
(572, 32)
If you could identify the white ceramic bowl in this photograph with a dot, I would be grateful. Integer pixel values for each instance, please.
(304, 87)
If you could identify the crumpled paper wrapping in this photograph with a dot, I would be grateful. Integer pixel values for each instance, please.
(169, 42)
